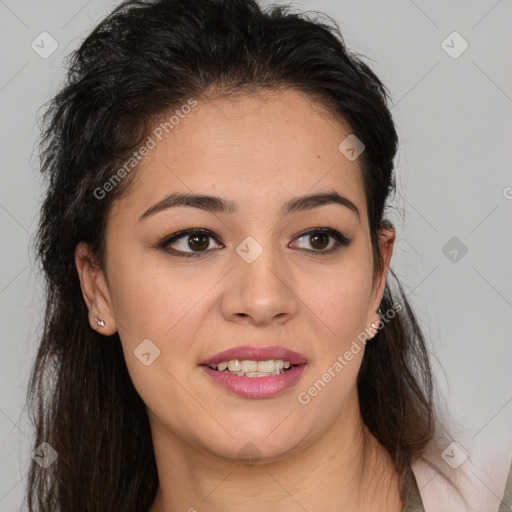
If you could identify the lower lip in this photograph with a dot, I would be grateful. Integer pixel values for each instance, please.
(257, 387)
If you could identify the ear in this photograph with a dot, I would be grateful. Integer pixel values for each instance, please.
(386, 244)
(94, 290)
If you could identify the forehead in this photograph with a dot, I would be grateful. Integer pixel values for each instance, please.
(252, 148)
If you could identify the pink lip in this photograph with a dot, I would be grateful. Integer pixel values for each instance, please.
(256, 387)
(253, 353)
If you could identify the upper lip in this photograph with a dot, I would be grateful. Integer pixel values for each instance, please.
(254, 353)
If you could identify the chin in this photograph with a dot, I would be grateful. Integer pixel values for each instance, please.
(254, 443)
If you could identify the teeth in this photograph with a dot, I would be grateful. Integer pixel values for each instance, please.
(234, 365)
(222, 366)
(267, 366)
(249, 368)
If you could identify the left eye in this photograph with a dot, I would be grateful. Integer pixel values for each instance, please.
(194, 242)
(319, 240)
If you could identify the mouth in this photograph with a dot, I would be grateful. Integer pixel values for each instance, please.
(250, 368)
(255, 372)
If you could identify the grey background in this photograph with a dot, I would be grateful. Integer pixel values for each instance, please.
(454, 117)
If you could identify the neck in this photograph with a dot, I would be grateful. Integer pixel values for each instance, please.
(345, 469)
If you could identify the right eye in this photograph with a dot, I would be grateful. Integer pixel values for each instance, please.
(188, 242)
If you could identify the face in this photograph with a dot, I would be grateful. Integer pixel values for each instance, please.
(273, 272)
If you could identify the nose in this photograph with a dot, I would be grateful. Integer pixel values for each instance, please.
(259, 292)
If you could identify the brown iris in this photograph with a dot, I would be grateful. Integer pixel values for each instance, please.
(318, 238)
(198, 238)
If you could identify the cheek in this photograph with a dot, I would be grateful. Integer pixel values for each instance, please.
(340, 302)
(153, 299)
(340, 295)
(152, 303)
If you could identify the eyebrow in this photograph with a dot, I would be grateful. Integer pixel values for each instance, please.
(220, 205)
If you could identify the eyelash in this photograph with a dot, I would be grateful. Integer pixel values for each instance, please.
(340, 239)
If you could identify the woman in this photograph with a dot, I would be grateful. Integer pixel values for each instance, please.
(220, 331)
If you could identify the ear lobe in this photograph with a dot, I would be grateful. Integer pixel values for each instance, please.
(94, 291)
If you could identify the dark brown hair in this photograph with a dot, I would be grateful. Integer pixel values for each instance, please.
(141, 62)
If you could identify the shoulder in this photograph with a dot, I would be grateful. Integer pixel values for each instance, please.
(458, 474)
(506, 502)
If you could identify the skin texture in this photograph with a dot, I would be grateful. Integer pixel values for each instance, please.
(258, 150)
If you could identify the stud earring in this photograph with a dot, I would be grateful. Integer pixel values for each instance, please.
(100, 323)
(376, 325)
